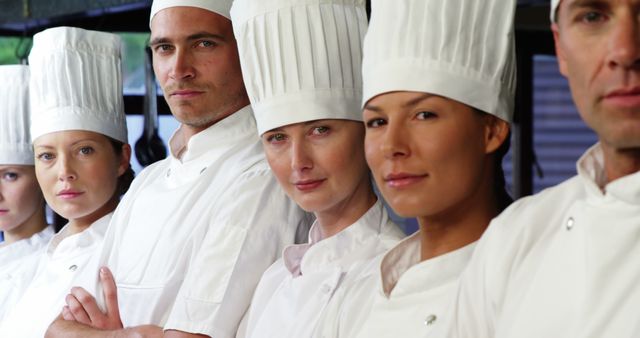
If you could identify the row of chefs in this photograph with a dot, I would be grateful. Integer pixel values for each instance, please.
(263, 221)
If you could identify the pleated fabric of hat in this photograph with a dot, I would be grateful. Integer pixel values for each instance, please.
(554, 10)
(15, 142)
(221, 7)
(76, 83)
(460, 49)
(301, 60)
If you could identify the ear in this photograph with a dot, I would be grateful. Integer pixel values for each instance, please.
(496, 133)
(125, 159)
(562, 64)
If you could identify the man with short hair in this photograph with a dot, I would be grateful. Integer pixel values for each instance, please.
(191, 238)
(564, 263)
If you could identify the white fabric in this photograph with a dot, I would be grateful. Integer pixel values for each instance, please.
(554, 9)
(294, 292)
(15, 142)
(301, 59)
(220, 7)
(562, 263)
(402, 297)
(76, 83)
(64, 258)
(191, 238)
(18, 264)
(460, 49)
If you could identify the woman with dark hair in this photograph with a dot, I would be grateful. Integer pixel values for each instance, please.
(438, 98)
(82, 157)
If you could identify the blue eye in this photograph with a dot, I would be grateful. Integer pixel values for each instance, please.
(45, 157)
(592, 16)
(375, 123)
(206, 43)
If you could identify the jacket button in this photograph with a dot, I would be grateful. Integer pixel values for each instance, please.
(430, 320)
(169, 173)
(570, 223)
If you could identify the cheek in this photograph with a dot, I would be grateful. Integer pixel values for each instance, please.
(372, 152)
(279, 163)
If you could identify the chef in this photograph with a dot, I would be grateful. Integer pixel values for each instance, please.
(564, 262)
(22, 214)
(195, 232)
(439, 84)
(81, 153)
(301, 63)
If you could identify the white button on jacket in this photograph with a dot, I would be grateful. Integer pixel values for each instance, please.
(562, 263)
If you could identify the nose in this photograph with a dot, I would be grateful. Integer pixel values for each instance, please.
(300, 159)
(66, 171)
(624, 42)
(182, 67)
(393, 143)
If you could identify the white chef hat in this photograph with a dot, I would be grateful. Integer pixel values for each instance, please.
(76, 83)
(554, 9)
(15, 143)
(460, 49)
(221, 7)
(301, 59)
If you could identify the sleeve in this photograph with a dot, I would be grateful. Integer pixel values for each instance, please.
(246, 235)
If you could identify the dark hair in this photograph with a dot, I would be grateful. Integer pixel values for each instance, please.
(502, 196)
(124, 181)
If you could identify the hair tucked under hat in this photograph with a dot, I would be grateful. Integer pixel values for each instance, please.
(15, 142)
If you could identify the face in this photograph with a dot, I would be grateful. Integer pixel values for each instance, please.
(78, 172)
(598, 48)
(320, 163)
(20, 195)
(428, 154)
(195, 59)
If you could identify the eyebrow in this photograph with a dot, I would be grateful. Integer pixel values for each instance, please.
(579, 4)
(192, 37)
(405, 105)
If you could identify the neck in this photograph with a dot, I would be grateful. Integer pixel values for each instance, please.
(458, 226)
(78, 225)
(33, 225)
(188, 131)
(347, 212)
(620, 162)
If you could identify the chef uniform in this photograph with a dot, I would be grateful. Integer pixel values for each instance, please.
(459, 49)
(562, 263)
(76, 84)
(16, 268)
(301, 62)
(194, 233)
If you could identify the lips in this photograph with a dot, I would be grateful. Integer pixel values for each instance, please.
(186, 93)
(403, 180)
(624, 97)
(308, 185)
(68, 194)
(3, 212)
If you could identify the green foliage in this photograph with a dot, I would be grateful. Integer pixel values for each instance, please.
(8, 49)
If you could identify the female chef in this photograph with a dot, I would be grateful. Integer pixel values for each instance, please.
(439, 79)
(22, 209)
(301, 67)
(81, 160)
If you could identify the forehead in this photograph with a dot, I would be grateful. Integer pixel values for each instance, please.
(180, 22)
(68, 137)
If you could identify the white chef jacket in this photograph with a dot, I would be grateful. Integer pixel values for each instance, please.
(192, 236)
(43, 299)
(562, 263)
(18, 264)
(294, 291)
(404, 297)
